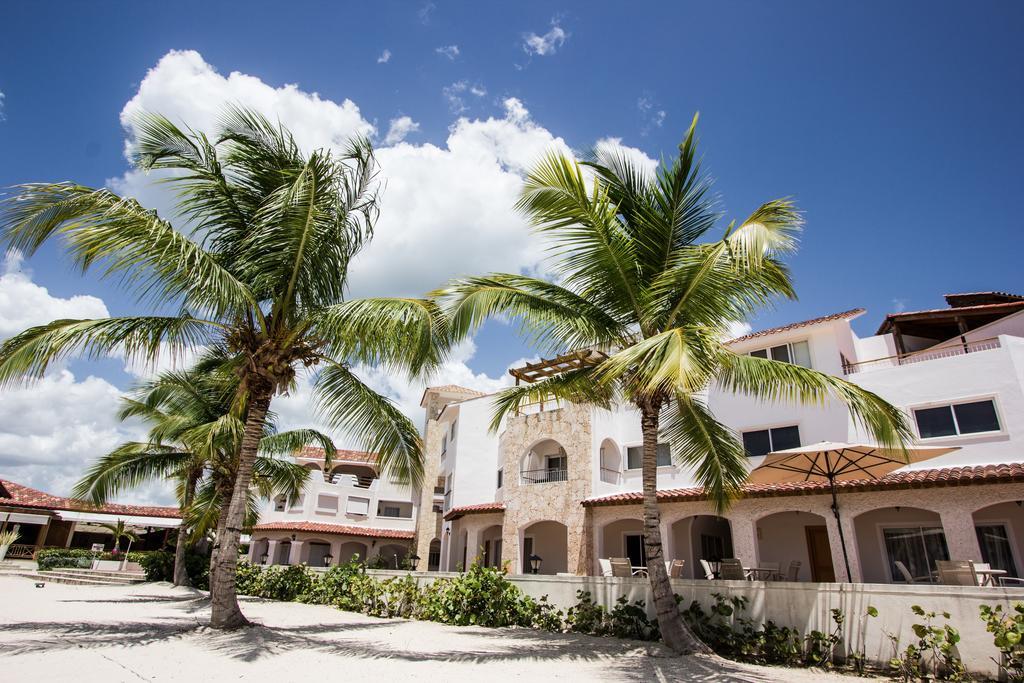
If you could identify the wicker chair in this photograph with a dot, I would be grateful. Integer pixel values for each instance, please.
(732, 570)
(621, 567)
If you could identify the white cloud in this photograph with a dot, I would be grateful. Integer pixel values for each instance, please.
(425, 12)
(738, 329)
(650, 114)
(399, 129)
(546, 44)
(449, 51)
(385, 57)
(455, 95)
(24, 304)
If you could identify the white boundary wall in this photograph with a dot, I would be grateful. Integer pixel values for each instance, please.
(804, 606)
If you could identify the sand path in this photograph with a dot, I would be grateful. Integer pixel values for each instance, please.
(154, 632)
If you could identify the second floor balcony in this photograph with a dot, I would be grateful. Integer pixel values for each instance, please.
(945, 350)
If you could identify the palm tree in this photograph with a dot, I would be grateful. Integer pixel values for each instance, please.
(120, 530)
(262, 270)
(194, 439)
(635, 284)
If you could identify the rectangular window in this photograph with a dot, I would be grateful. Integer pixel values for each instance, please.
(499, 477)
(296, 505)
(390, 511)
(974, 417)
(328, 504)
(797, 353)
(635, 456)
(916, 547)
(358, 506)
(765, 441)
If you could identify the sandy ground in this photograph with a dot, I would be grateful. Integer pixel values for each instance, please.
(154, 632)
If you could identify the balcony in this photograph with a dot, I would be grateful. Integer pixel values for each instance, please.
(923, 355)
(544, 476)
(610, 476)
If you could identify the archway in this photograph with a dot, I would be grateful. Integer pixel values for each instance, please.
(1000, 531)
(913, 536)
(393, 555)
(490, 546)
(545, 462)
(259, 549)
(316, 551)
(548, 540)
(624, 538)
(356, 476)
(284, 552)
(700, 537)
(434, 556)
(610, 462)
(785, 537)
(351, 550)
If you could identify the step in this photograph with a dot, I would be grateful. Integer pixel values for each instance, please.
(89, 576)
(40, 577)
(100, 572)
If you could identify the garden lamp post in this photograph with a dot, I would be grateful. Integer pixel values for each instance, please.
(263, 558)
(535, 561)
(328, 558)
(413, 561)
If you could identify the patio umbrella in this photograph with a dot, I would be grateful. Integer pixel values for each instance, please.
(834, 461)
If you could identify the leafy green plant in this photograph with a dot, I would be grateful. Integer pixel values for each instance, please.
(159, 566)
(820, 647)
(934, 655)
(1007, 630)
(858, 660)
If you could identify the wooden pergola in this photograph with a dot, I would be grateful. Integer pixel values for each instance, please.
(574, 360)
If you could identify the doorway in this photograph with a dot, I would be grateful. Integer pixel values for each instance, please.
(635, 550)
(820, 553)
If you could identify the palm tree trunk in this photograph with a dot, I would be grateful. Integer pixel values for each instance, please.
(224, 494)
(673, 631)
(225, 610)
(180, 568)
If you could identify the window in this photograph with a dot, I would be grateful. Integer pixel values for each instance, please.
(279, 503)
(358, 506)
(499, 477)
(959, 418)
(296, 505)
(635, 456)
(390, 511)
(916, 547)
(764, 441)
(995, 547)
(797, 353)
(326, 503)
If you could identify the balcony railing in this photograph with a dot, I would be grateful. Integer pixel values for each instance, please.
(541, 406)
(20, 551)
(610, 476)
(923, 355)
(544, 476)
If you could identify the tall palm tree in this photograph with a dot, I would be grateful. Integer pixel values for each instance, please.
(262, 270)
(635, 283)
(194, 440)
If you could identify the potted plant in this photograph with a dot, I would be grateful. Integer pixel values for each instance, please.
(7, 539)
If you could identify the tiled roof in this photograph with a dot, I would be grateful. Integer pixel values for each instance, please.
(17, 495)
(909, 479)
(451, 389)
(323, 528)
(852, 313)
(1009, 306)
(477, 509)
(342, 455)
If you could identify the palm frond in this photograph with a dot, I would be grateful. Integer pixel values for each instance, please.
(127, 466)
(573, 386)
(294, 440)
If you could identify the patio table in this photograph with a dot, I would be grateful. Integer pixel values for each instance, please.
(639, 571)
(988, 576)
(762, 573)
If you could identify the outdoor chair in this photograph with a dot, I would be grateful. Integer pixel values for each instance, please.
(956, 573)
(606, 566)
(774, 572)
(732, 570)
(1011, 581)
(621, 567)
(793, 573)
(709, 573)
(675, 568)
(908, 577)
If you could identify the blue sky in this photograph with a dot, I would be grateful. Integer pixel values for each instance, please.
(895, 126)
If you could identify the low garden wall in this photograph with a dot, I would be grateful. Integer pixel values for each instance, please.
(805, 607)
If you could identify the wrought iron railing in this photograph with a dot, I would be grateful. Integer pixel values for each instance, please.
(946, 351)
(20, 551)
(544, 476)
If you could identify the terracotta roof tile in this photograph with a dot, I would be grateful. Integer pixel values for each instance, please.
(477, 509)
(909, 479)
(323, 528)
(17, 495)
(342, 455)
(852, 313)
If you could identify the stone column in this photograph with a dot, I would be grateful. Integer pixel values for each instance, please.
(296, 552)
(472, 545)
(271, 551)
(961, 537)
(744, 539)
(835, 545)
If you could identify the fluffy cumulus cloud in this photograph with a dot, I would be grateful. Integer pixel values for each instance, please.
(449, 51)
(24, 304)
(399, 129)
(447, 210)
(384, 57)
(547, 44)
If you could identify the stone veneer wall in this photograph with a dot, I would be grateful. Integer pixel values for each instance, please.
(526, 504)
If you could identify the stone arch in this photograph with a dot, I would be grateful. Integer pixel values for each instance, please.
(913, 535)
(610, 461)
(547, 539)
(546, 460)
(489, 552)
(693, 538)
(618, 538)
(393, 554)
(434, 555)
(314, 550)
(284, 553)
(350, 550)
(999, 527)
(786, 536)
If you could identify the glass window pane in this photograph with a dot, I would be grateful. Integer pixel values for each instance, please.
(979, 416)
(785, 437)
(664, 455)
(995, 547)
(760, 353)
(757, 443)
(935, 422)
(634, 457)
(781, 353)
(904, 545)
(801, 354)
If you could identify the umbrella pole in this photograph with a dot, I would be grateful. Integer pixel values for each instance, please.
(839, 523)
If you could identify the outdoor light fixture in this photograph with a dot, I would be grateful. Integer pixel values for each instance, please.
(413, 561)
(328, 558)
(263, 558)
(535, 561)
(293, 537)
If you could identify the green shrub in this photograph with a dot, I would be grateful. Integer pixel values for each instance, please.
(159, 566)
(482, 596)
(624, 620)
(275, 582)
(1008, 637)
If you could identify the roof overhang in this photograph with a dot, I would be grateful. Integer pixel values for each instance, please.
(130, 520)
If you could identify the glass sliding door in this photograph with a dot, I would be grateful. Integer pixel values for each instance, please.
(916, 547)
(994, 540)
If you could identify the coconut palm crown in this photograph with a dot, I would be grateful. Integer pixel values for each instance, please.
(262, 270)
(637, 282)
